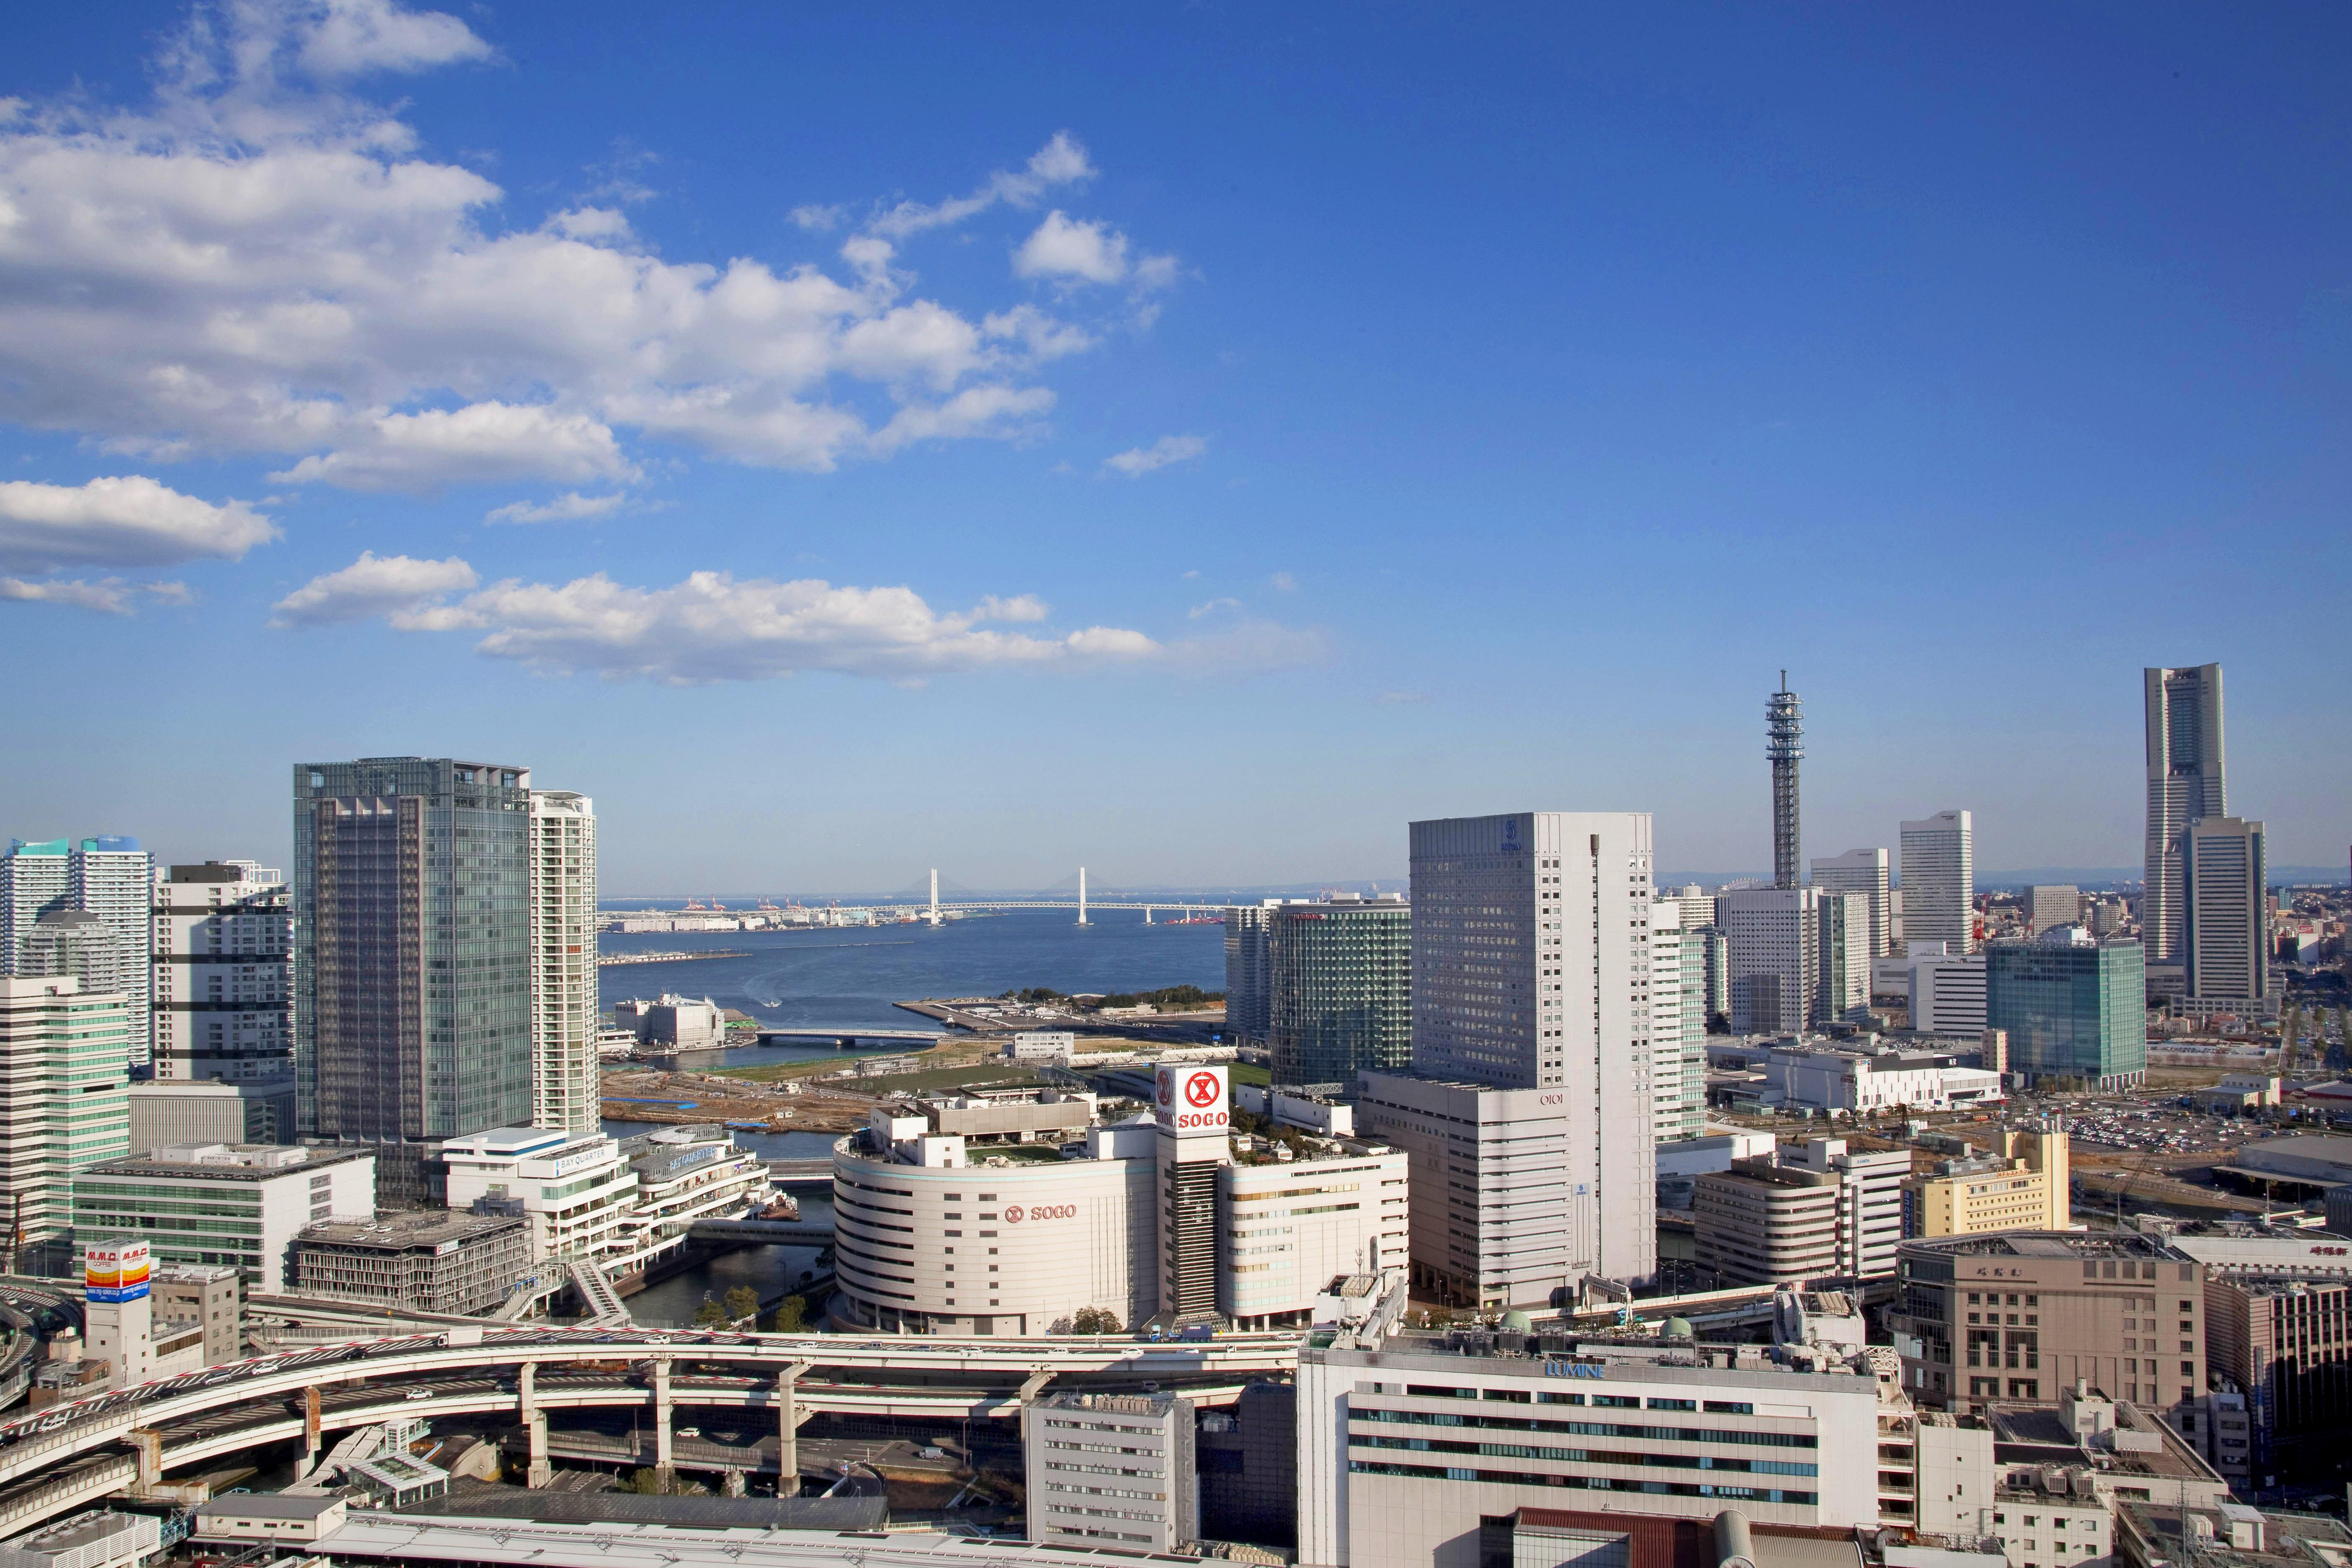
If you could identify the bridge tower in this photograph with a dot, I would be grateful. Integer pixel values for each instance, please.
(1082, 895)
(934, 915)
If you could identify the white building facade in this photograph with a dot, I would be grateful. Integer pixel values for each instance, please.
(1677, 1024)
(222, 941)
(1948, 992)
(1111, 1469)
(1773, 937)
(576, 1192)
(1861, 871)
(563, 1009)
(2226, 935)
(1939, 880)
(1286, 1231)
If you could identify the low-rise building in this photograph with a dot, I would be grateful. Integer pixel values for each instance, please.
(237, 1204)
(1815, 1211)
(685, 1173)
(210, 1111)
(681, 1023)
(1042, 1046)
(209, 1297)
(98, 1539)
(575, 1189)
(2227, 1535)
(2019, 1315)
(433, 1261)
(1406, 1447)
(2024, 1183)
(1285, 1230)
(281, 1517)
(1111, 1469)
(1046, 1115)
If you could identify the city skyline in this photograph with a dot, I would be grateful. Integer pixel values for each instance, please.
(942, 486)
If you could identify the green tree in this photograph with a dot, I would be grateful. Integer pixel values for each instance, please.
(742, 1301)
(711, 1314)
(792, 1316)
(1094, 1320)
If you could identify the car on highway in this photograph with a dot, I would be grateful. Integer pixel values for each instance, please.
(418, 1394)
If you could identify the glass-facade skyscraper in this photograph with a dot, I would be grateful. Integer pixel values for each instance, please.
(2184, 784)
(412, 954)
(1339, 988)
(2073, 1008)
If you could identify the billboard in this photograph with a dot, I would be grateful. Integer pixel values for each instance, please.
(114, 1270)
(1190, 1100)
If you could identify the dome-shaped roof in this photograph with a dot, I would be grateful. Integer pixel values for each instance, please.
(1517, 1320)
(1678, 1328)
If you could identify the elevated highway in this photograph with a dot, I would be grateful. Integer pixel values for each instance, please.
(64, 1456)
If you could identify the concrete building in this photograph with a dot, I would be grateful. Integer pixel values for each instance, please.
(1042, 1046)
(1339, 989)
(2073, 1010)
(1948, 992)
(1191, 1127)
(2226, 937)
(77, 944)
(926, 1243)
(113, 877)
(1840, 945)
(404, 868)
(1405, 1446)
(681, 1023)
(575, 1189)
(1049, 1116)
(179, 1110)
(1249, 970)
(1772, 935)
(64, 1060)
(428, 1259)
(117, 1319)
(209, 1297)
(1678, 1025)
(70, 885)
(2049, 906)
(1286, 1231)
(2184, 784)
(1861, 871)
(683, 1174)
(1813, 1211)
(1939, 881)
(1531, 971)
(2227, 1535)
(222, 943)
(564, 1011)
(2112, 1311)
(2278, 1325)
(238, 1206)
(98, 1539)
(1868, 1080)
(2024, 1183)
(1111, 1469)
(35, 878)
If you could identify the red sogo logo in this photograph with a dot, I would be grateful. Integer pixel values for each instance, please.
(1201, 1089)
(1014, 1214)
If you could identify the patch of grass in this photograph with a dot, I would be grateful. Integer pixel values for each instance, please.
(1244, 1073)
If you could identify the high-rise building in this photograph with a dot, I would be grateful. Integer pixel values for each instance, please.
(1774, 941)
(2049, 906)
(563, 1010)
(1939, 881)
(1192, 1139)
(1249, 995)
(412, 955)
(2226, 944)
(2071, 1007)
(1677, 1024)
(222, 953)
(64, 1061)
(34, 879)
(114, 879)
(1948, 990)
(1531, 971)
(1840, 944)
(2183, 709)
(1341, 989)
(77, 943)
(1784, 747)
(1861, 871)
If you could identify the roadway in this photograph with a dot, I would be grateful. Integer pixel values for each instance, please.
(67, 1456)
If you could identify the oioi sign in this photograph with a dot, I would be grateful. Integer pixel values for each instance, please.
(1190, 1100)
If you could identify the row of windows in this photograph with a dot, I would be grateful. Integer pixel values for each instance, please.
(1588, 1428)
(1587, 1456)
(1588, 1483)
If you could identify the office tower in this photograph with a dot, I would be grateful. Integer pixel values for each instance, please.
(114, 879)
(2225, 940)
(1249, 1010)
(2074, 1009)
(1193, 1126)
(1677, 1024)
(1717, 959)
(34, 879)
(564, 1011)
(2183, 709)
(412, 955)
(1784, 746)
(1341, 989)
(224, 998)
(1861, 871)
(1531, 972)
(64, 1061)
(1939, 881)
(1775, 964)
(1948, 990)
(1842, 956)
(2050, 906)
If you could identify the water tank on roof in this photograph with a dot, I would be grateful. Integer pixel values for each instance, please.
(1678, 1328)
(1517, 1320)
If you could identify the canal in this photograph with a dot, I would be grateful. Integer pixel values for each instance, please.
(770, 1270)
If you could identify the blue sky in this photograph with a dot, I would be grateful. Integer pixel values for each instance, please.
(1189, 441)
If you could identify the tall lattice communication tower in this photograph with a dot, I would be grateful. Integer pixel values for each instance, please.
(1784, 744)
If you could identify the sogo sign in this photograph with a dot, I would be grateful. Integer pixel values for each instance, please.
(1190, 1100)
(1014, 1214)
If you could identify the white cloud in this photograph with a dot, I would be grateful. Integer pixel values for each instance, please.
(1064, 247)
(1140, 460)
(816, 218)
(129, 520)
(569, 507)
(404, 590)
(258, 262)
(1020, 607)
(1213, 606)
(1284, 581)
(109, 596)
(480, 442)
